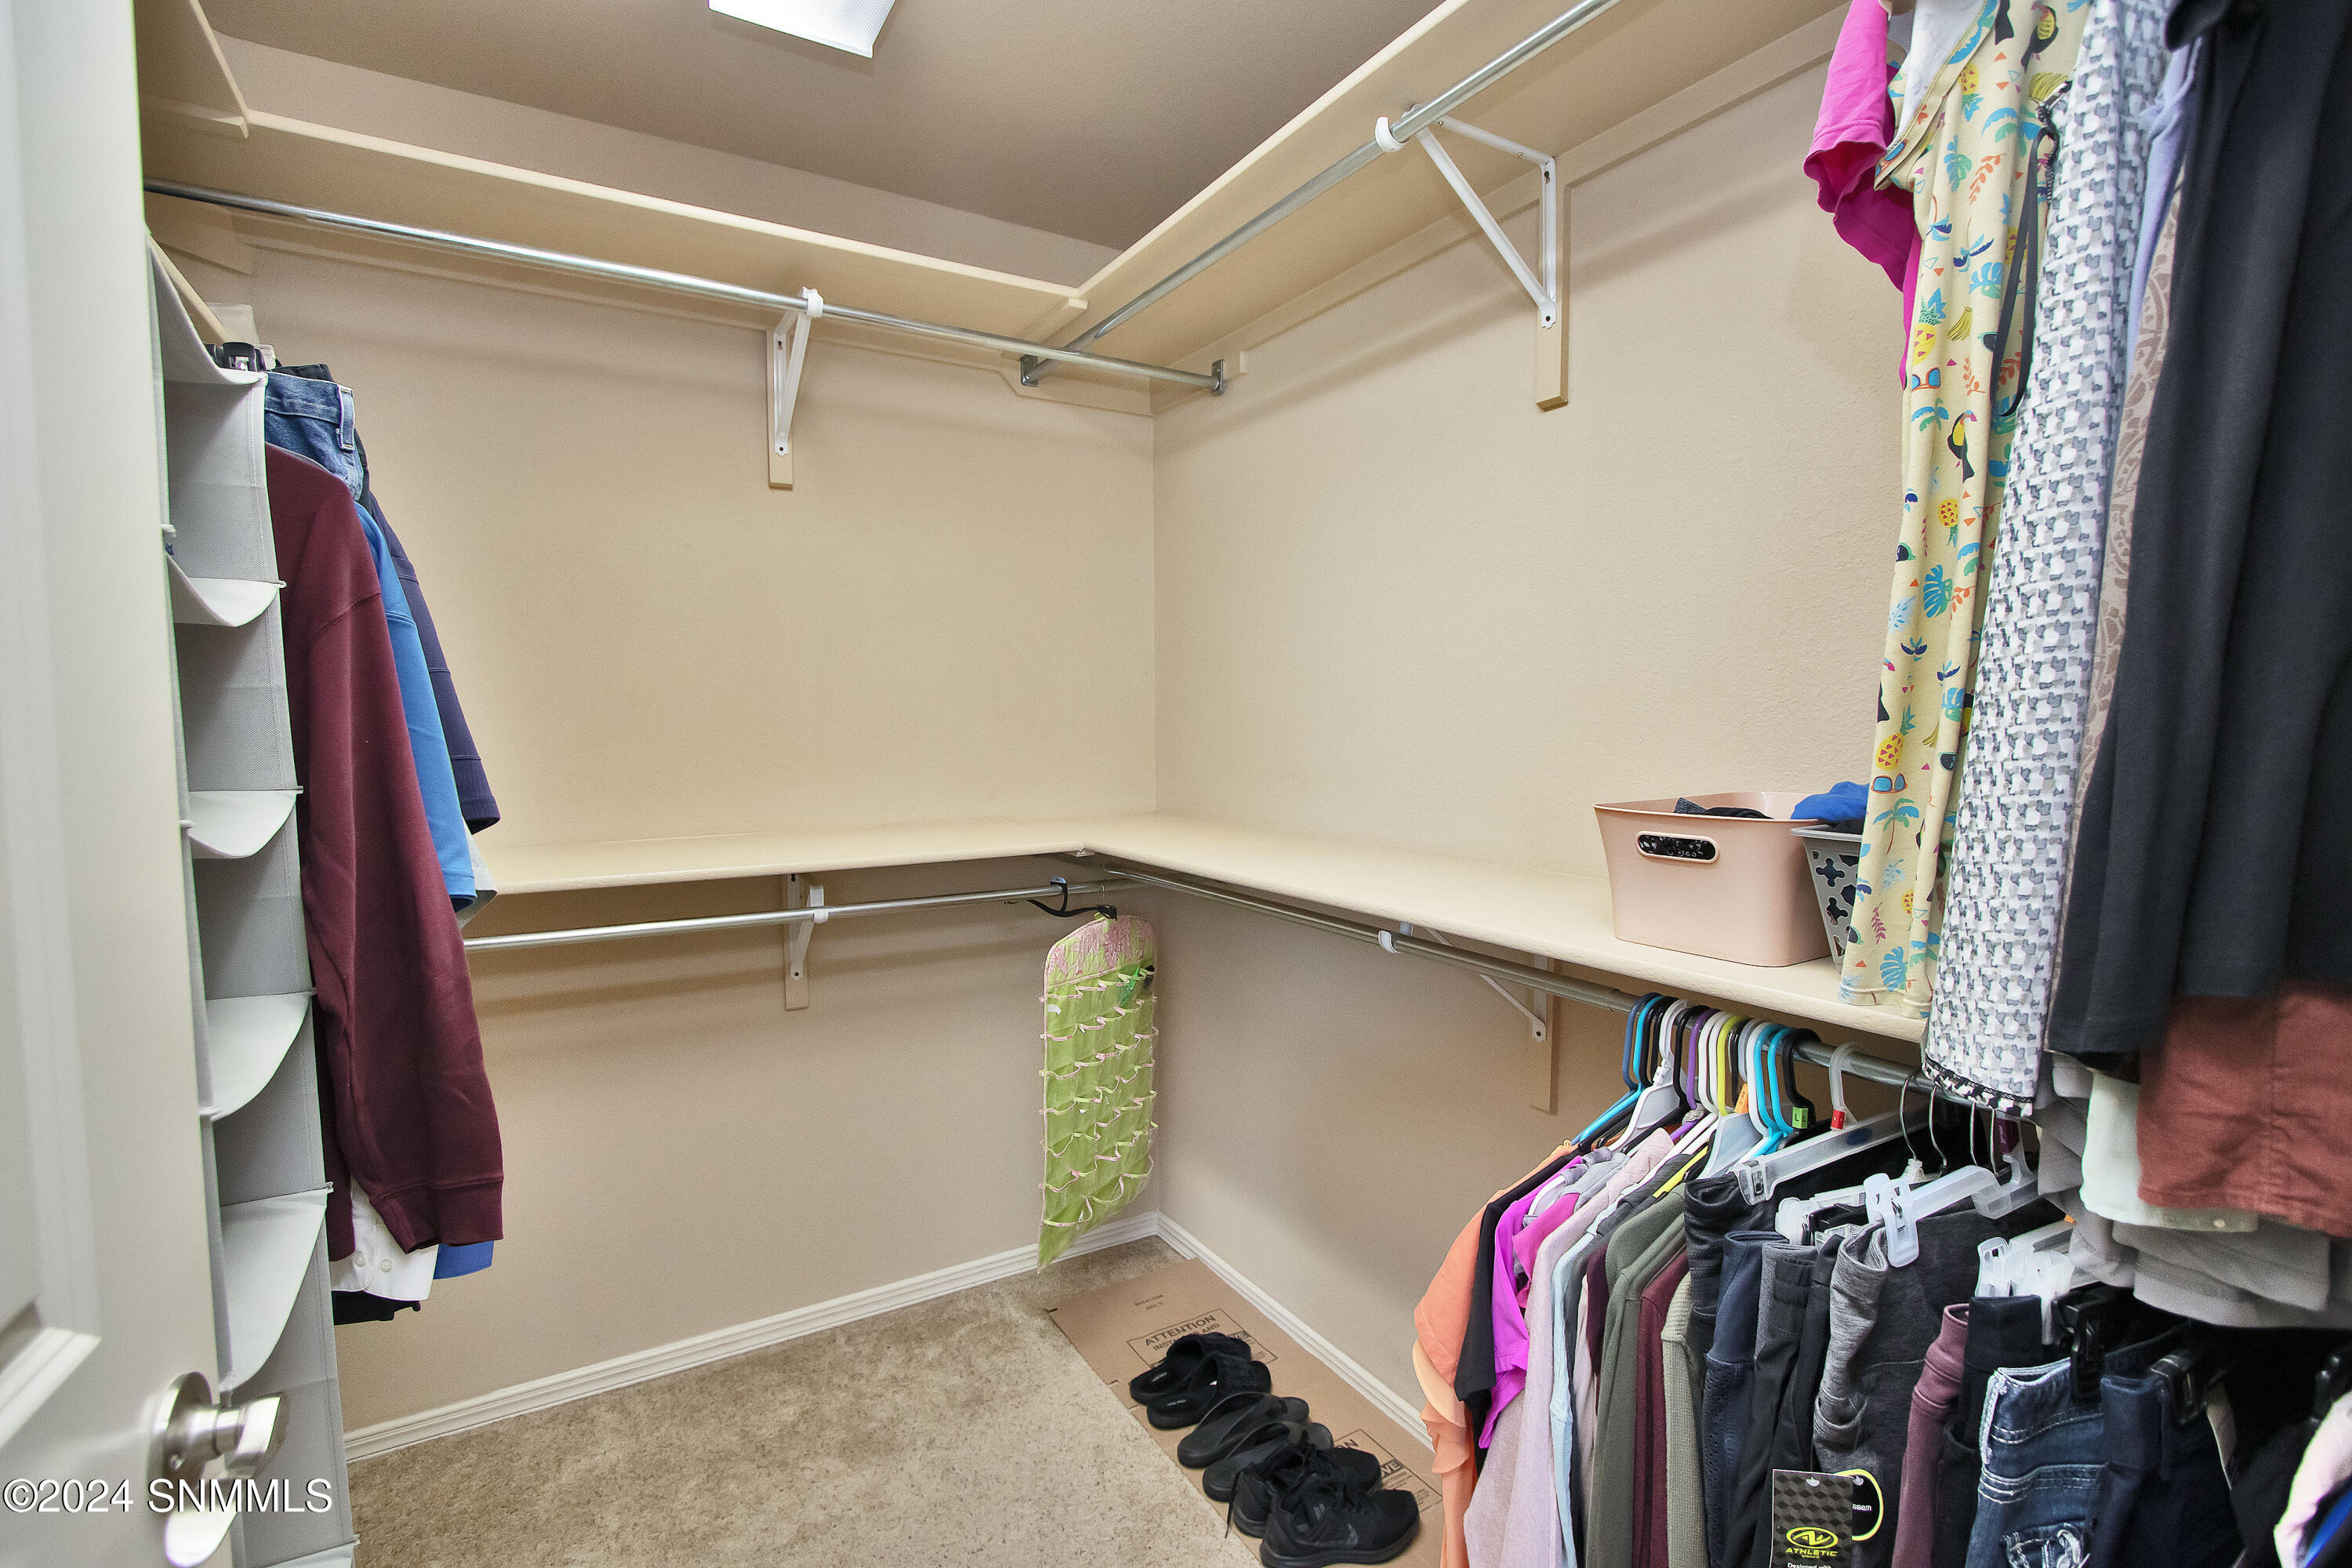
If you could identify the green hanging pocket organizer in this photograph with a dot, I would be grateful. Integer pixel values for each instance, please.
(1097, 1077)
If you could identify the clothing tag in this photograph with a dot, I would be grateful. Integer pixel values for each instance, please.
(1818, 1516)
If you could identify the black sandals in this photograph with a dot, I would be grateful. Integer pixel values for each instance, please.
(1184, 1358)
(1232, 1420)
(1218, 1375)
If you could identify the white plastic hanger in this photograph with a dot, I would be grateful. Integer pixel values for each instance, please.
(2022, 1187)
(2010, 1267)
(1907, 1209)
(1760, 1178)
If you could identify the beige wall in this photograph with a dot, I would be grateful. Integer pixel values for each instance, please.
(328, 92)
(1396, 603)
(651, 642)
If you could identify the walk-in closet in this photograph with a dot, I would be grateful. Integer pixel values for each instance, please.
(1505, 784)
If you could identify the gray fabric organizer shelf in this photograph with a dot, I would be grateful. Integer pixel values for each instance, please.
(249, 978)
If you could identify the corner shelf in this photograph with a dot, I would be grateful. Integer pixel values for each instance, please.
(1557, 915)
(236, 824)
(1589, 93)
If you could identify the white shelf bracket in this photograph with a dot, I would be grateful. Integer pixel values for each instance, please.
(787, 348)
(1541, 281)
(1542, 1065)
(1539, 1025)
(799, 895)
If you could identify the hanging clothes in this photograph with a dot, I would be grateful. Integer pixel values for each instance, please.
(1970, 150)
(2212, 858)
(2152, 333)
(404, 1098)
(2006, 883)
(1441, 1322)
(2201, 1264)
(306, 412)
(1098, 1038)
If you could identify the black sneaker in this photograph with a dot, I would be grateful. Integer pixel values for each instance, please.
(1334, 1518)
(1261, 1448)
(1259, 1490)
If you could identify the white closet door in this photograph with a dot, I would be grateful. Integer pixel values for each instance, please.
(105, 1297)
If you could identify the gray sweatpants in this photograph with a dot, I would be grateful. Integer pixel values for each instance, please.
(1882, 1321)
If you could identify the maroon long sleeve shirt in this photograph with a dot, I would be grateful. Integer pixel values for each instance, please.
(405, 1099)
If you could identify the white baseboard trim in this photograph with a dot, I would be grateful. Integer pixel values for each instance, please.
(1405, 1413)
(660, 1361)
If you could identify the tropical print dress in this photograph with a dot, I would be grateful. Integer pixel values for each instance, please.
(1972, 150)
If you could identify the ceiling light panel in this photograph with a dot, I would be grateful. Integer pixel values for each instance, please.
(849, 24)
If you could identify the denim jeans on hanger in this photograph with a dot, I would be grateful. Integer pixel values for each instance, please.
(2044, 1460)
(315, 419)
(2164, 1500)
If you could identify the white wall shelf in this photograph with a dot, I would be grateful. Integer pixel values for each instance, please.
(248, 1037)
(1632, 57)
(182, 75)
(1552, 914)
(234, 824)
(266, 1246)
(293, 160)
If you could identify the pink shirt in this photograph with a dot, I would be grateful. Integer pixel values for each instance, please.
(1857, 122)
(1510, 1322)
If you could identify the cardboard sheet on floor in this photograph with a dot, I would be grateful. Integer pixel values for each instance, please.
(1122, 1329)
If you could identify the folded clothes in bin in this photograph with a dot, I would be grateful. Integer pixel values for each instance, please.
(1717, 875)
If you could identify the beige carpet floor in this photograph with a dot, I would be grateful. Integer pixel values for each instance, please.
(965, 1430)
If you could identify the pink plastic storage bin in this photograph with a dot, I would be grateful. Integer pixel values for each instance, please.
(1723, 887)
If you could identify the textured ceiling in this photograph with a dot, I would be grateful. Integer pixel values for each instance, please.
(1089, 118)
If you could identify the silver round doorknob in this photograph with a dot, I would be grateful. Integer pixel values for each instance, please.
(192, 1431)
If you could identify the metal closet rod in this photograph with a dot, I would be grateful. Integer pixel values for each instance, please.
(1403, 129)
(782, 917)
(1876, 1069)
(675, 282)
